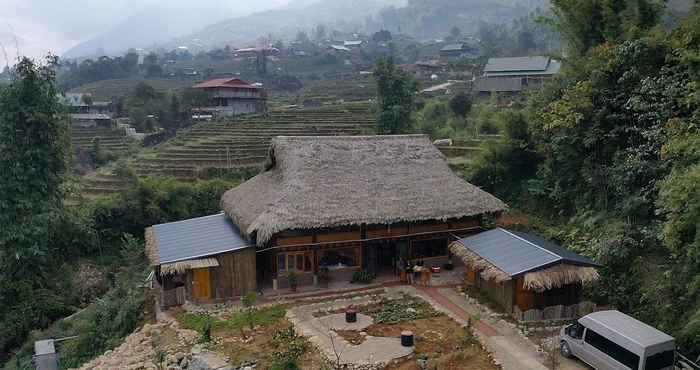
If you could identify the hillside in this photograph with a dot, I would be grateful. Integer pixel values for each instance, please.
(231, 148)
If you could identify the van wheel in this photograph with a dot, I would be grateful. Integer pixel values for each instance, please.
(565, 349)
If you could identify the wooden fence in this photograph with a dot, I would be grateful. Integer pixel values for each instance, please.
(553, 313)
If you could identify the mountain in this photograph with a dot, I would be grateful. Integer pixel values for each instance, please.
(158, 23)
(284, 23)
(418, 18)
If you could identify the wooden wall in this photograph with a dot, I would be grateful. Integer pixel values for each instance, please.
(501, 293)
(236, 274)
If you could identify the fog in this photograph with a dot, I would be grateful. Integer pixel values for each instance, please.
(35, 27)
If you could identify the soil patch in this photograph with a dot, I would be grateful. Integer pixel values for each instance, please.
(352, 336)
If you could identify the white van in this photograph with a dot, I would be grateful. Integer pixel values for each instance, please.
(611, 340)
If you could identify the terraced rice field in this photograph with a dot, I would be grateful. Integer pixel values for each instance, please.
(110, 139)
(240, 144)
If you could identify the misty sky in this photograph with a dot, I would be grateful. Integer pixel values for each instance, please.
(35, 27)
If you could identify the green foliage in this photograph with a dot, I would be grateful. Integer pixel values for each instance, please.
(395, 311)
(503, 163)
(289, 346)
(362, 277)
(248, 302)
(461, 104)
(395, 91)
(437, 120)
(152, 201)
(33, 157)
(206, 332)
(615, 143)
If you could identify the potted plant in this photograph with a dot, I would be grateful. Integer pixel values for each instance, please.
(293, 280)
(324, 276)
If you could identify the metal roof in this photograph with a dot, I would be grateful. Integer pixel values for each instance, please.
(533, 64)
(197, 237)
(224, 83)
(453, 47)
(516, 253)
(44, 347)
(626, 326)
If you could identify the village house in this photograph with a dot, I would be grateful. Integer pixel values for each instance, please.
(513, 75)
(528, 276)
(459, 50)
(86, 112)
(324, 206)
(231, 96)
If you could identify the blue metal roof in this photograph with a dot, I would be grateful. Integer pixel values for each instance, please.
(197, 237)
(517, 253)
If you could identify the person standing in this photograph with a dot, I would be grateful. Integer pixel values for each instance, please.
(409, 272)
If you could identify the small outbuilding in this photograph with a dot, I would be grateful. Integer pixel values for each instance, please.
(530, 277)
(202, 259)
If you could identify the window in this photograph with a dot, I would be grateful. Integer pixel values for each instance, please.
(612, 349)
(575, 331)
(339, 258)
(660, 361)
(295, 261)
(429, 248)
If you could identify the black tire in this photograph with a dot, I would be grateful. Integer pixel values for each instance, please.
(565, 349)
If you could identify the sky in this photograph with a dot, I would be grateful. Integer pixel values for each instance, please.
(35, 27)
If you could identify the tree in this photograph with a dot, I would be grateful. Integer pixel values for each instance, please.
(395, 94)
(455, 34)
(320, 32)
(381, 36)
(461, 104)
(34, 149)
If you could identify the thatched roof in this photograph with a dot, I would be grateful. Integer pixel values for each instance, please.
(182, 266)
(501, 255)
(323, 182)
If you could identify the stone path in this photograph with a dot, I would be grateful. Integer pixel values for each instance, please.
(507, 345)
(374, 352)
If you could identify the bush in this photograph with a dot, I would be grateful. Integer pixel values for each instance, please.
(362, 277)
(206, 332)
(288, 347)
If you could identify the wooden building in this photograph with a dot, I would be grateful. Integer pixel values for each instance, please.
(231, 96)
(326, 206)
(526, 274)
(202, 259)
(513, 75)
(344, 204)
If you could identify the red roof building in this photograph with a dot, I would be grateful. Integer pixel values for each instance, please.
(230, 97)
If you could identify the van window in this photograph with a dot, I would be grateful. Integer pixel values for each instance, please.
(612, 349)
(659, 361)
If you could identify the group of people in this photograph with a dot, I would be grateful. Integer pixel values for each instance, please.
(415, 272)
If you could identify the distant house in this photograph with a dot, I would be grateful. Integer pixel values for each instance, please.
(231, 96)
(423, 69)
(530, 277)
(353, 43)
(254, 52)
(459, 50)
(86, 112)
(512, 75)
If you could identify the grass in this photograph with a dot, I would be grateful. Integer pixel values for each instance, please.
(237, 320)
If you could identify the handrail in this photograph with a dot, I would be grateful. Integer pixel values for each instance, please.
(685, 363)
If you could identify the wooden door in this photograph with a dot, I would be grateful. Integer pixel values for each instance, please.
(524, 298)
(201, 288)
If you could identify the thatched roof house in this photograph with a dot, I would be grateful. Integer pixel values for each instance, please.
(326, 182)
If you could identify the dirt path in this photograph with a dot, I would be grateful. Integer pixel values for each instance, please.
(508, 346)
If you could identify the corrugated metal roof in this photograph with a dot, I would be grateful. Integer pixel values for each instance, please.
(537, 63)
(225, 83)
(516, 253)
(453, 47)
(197, 237)
(627, 326)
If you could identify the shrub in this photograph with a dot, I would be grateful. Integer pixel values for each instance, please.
(288, 346)
(206, 332)
(362, 277)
